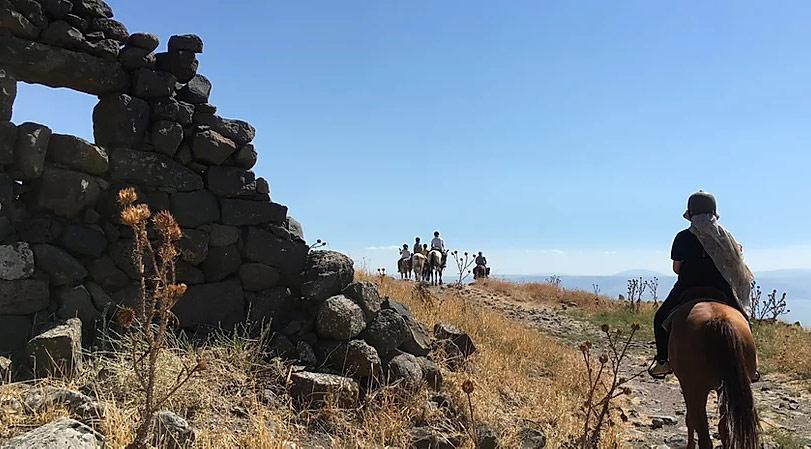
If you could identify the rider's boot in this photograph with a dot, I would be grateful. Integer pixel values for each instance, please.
(659, 369)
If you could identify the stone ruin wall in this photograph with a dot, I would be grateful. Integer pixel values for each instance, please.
(64, 252)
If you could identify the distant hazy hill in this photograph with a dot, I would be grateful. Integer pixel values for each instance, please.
(795, 282)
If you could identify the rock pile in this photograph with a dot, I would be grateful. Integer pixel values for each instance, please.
(63, 250)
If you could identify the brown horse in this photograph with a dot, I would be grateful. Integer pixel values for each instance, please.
(404, 267)
(712, 348)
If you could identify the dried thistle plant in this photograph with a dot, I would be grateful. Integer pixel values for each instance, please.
(463, 264)
(605, 383)
(147, 326)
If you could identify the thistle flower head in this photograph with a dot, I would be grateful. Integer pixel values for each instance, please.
(468, 387)
(133, 215)
(176, 290)
(635, 326)
(124, 316)
(604, 328)
(603, 359)
(166, 224)
(127, 196)
(619, 331)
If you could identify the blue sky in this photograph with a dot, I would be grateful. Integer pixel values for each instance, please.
(555, 136)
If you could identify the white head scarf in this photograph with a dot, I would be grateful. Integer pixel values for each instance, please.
(726, 253)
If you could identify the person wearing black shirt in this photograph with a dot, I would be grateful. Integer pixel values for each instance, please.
(695, 268)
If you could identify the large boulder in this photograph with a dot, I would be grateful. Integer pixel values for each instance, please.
(418, 339)
(221, 262)
(166, 137)
(240, 131)
(213, 305)
(430, 373)
(57, 352)
(61, 267)
(8, 140)
(444, 331)
(339, 319)
(32, 146)
(192, 209)
(15, 330)
(196, 91)
(105, 272)
(76, 302)
(8, 92)
(222, 235)
(16, 24)
(146, 41)
(92, 9)
(65, 192)
(83, 240)
(193, 246)
(56, 67)
(39, 400)
(386, 332)
(120, 120)
(245, 157)
(353, 358)
(258, 276)
(149, 83)
(62, 433)
(366, 295)
(16, 261)
(230, 181)
(111, 28)
(317, 389)
(62, 34)
(406, 369)
(238, 212)
(77, 153)
(276, 305)
(181, 63)
(187, 42)
(23, 296)
(325, 274)
(211, 147)
(152, 169)
(133, 58)
(287, 256)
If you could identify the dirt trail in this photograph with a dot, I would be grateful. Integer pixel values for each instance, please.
(656, 409)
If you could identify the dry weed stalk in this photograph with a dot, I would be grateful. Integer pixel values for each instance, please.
(769, 309)
(554, 280)
(463, 265)
(605, 384)
(146, 327)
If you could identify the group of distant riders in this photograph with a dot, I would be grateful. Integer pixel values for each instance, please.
(429, 263)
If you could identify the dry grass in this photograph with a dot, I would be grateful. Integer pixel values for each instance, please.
(783, 348)
(542, 292)
(519, 373)
(240, 400)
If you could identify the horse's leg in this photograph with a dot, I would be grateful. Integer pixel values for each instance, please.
(697, 417)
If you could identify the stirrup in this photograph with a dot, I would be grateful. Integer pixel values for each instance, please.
(657, 376)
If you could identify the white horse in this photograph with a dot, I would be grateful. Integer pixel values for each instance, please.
(435, 262)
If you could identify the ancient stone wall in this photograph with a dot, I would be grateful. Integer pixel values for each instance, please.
(63, 251)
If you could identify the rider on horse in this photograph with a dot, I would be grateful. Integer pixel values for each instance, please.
(481, 266)
(438, 244)
(705, 256)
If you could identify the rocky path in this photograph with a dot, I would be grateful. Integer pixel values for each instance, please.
(656, 409)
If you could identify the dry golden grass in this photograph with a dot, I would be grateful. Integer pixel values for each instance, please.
(519, 373)
(783, 348)
(241, 401)
(542, 292)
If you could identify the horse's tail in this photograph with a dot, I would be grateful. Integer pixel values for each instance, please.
(735, 395)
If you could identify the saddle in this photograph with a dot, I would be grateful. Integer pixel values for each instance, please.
(693, 296)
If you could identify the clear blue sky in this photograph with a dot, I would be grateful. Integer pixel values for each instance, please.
(556, 136)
